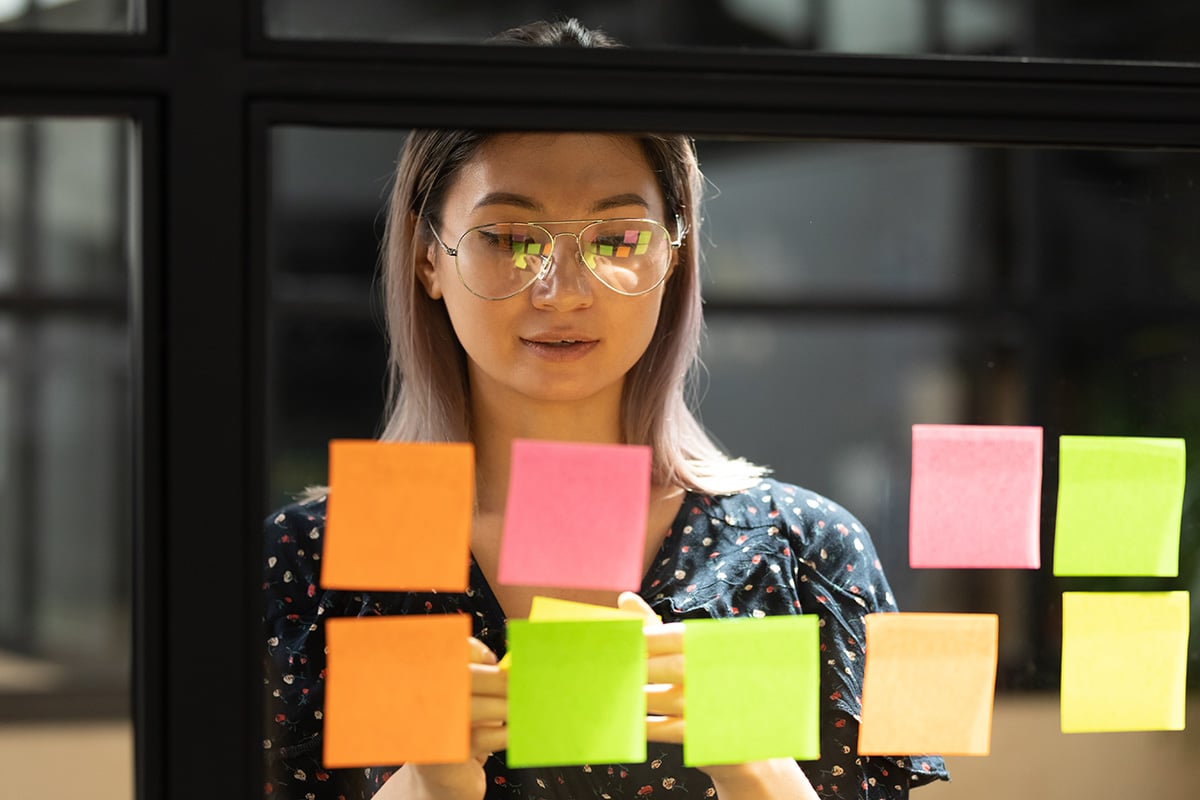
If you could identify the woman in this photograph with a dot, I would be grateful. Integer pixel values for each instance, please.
(509, 319)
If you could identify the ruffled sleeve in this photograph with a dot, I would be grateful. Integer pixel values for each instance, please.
(294, 662)
(838, 571)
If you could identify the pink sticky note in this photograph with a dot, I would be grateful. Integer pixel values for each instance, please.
(976, 497)
(576, 515)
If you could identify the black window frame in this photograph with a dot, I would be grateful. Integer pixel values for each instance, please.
(204, 86)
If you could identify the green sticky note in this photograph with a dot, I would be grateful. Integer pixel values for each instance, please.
(751, 689)
(1120, 501)
(1124, 661)
(576, 693)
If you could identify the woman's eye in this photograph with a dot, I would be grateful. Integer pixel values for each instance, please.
(498, 241)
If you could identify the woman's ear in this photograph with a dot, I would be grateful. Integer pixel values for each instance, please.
(674, 262)
(425, 255)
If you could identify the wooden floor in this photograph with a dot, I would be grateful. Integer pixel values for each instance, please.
(67, 760)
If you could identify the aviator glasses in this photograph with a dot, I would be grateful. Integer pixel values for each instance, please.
(502, 259)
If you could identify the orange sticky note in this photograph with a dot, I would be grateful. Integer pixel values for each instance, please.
(956, 653)
(398, 516)
(398, 689)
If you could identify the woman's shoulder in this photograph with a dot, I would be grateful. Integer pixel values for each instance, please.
(773, 502)
(294, 536)
(308, 510)
(296, 521)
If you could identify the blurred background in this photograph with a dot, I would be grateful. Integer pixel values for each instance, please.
(853, 289)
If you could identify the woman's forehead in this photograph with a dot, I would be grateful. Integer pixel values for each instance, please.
(541, 171)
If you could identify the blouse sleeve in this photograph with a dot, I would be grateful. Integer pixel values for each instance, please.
(294, 664)
(837, 558)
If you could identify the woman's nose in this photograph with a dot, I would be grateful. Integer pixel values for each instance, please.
(565, 284)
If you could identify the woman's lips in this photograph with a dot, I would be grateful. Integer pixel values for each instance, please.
(566, 348)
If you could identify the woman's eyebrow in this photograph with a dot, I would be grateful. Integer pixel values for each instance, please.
(508, 199)
(620, 200)
(526, 202)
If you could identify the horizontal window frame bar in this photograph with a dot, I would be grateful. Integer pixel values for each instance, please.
(1023, 103)
(26, 305)
(765, 61)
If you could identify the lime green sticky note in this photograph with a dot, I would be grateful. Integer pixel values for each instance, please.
(552, 609)
(751, 689)
(1120, 502)
(1124, 661)
(576, 692)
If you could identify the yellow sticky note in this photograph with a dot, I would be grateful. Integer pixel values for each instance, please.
(549, 609)
(1124, 661)
(399, 516)
(956, 654)
(398, 689)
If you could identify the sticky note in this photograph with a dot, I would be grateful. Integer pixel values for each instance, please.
(576, 693)
(552, 609)
(576, 515)
(751, 689)
(1124, 661)
(397, 689)
(1120, 502)
(954, 656)
(398, 516)
(975, 497)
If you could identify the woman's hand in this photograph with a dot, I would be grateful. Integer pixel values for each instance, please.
(489, 713)
(489, 703)
(664, 672)
(776, 778)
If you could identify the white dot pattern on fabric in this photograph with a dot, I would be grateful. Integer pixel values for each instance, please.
(750, 555)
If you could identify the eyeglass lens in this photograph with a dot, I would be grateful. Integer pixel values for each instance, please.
(628, 256)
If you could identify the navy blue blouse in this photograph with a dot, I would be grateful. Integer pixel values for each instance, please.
(773, 549)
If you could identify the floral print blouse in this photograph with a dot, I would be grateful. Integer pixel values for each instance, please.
(772, 549)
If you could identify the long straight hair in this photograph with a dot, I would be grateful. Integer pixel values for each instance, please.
(428, 390)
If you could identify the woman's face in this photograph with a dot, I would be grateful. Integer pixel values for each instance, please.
(568, 337)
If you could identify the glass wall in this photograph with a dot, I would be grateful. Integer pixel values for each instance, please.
(72, 16)
(852, 291)
(67, 215)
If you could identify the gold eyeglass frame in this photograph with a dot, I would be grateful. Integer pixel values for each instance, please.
(548, 260)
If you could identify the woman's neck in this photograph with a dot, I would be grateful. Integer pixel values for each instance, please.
(497, 422)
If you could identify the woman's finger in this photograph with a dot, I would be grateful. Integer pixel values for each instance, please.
(633, 602)
(665, 669)
(480, 653)
(489, 680)
(664, 729)
(664, 639)
(664, 700)
(488, 710)
(486, 740)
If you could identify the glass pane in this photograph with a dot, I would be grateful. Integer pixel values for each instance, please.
(901, 283)
(1161, 30)
(77, 16)
(789, 219)
(65, 448)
